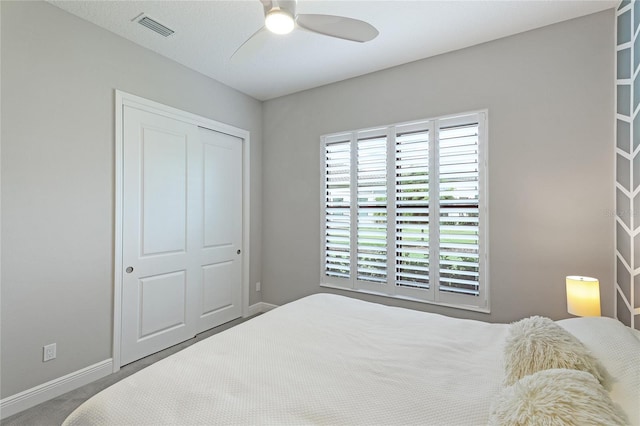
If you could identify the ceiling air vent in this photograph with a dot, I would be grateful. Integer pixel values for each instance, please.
(155, 26)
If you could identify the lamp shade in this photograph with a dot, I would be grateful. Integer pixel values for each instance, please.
(279, 21)
(583, 296)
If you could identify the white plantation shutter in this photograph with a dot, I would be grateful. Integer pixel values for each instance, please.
(405, 211)
(372, 209)
(459, 193)
(412, 209)
(337, 206)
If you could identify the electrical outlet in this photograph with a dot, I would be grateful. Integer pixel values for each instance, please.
(258, 286)
(49, 352)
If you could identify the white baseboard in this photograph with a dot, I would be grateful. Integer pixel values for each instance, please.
(31, 397)
(266, 307)
(260, 308)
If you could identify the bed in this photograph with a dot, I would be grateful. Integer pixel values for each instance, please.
(328, 359)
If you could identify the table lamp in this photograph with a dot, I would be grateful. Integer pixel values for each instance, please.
(583, 296)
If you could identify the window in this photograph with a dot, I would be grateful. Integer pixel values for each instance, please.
(405, 211)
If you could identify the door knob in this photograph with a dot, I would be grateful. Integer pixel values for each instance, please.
(238, 252)
(129, 270)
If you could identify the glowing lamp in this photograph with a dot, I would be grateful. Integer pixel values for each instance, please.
(583, 296)
(279, 21)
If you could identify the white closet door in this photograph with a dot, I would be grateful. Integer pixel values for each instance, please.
(170, 282)
(221, 249)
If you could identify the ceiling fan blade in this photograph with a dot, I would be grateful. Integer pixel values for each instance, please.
(338, 26)
(250, 48)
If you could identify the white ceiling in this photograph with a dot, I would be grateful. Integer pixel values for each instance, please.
(208, 32)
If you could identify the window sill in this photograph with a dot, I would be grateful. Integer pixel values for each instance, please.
(411, 299)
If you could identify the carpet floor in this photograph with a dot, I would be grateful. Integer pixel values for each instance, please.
(56, 410)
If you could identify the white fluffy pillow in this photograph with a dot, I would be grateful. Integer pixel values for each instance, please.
(557, 397)
(537, 343)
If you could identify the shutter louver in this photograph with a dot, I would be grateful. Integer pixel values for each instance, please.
(337, 209)
(372, 209)
(459, 209)
(412, 210)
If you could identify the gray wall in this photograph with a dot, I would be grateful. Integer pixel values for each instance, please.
(58, 79)
(549, 94)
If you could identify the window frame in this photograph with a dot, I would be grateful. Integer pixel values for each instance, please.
(432, 295)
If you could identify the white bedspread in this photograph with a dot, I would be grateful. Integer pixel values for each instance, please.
(324, 359)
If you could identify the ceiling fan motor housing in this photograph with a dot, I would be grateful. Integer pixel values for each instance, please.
(288, 6)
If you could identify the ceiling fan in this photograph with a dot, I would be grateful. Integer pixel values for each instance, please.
(281, 18)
